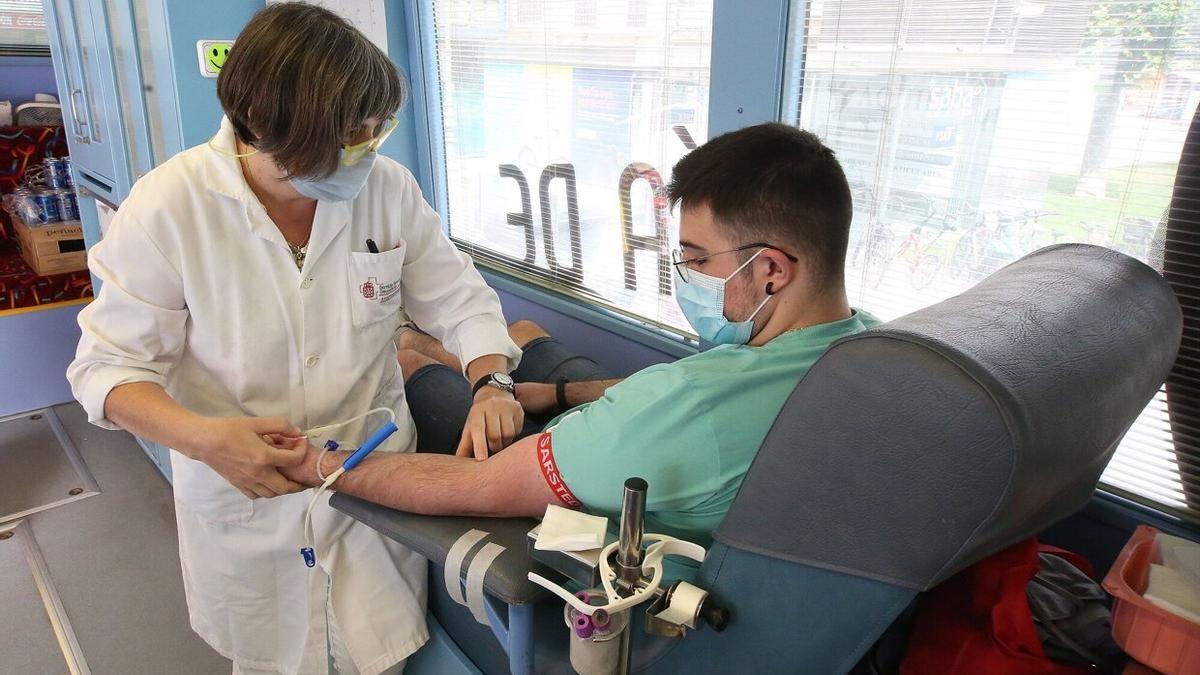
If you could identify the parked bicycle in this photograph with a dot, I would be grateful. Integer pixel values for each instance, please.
(996, 238)
(918, 248)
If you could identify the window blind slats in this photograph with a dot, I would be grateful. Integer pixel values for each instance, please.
(22, 25)
(976, 131)
(559, 124)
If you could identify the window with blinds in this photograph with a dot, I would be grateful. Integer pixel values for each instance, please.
(975, 131)
(561, 120)
(22, 27)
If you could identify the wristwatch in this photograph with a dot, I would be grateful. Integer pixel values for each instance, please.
(498, 380)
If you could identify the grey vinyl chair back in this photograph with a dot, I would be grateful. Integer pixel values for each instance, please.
(915, 449)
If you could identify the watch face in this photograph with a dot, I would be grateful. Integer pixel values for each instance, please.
(502, 379)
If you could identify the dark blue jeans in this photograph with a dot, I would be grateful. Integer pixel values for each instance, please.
(440, 398)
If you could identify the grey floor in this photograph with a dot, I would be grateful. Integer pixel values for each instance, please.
(112, 557)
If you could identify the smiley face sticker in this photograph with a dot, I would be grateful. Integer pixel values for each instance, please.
(217, 55)
(212, 55)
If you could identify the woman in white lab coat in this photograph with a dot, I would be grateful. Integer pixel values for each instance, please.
(243, 303)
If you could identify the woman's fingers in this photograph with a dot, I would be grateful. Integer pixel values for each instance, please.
(277, 483)
(479, 440)
(288, 456)
(508, 430)
(261, 490)
(494, 432)
(272, 425)
(465, 446)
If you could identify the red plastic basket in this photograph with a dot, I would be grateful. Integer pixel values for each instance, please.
(1155, 637)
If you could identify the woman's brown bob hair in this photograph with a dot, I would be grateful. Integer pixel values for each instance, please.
(300, 82)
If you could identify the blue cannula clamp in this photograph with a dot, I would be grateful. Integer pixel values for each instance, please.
(373, 442)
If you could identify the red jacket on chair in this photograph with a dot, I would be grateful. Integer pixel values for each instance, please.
(978, 622)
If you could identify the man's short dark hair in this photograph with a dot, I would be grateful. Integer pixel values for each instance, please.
(775, 184)
(300, 82)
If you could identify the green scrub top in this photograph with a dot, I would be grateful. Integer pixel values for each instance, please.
(690, 428)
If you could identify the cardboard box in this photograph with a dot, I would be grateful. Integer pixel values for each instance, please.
(56, 248)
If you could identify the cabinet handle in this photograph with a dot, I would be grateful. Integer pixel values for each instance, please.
(79, 126)
(93, 129)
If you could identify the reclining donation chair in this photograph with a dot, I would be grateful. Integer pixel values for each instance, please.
(908, 453)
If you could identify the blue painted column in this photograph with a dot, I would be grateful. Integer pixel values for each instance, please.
(748, 45)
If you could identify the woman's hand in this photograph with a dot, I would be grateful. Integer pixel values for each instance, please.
(306, 472)
(494, 421)
(248, 451)
(537, 398)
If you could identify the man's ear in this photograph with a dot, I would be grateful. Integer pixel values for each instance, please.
(780, 271)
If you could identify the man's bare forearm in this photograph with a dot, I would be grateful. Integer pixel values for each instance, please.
(579, 393)
(509, 483)
(435, 485)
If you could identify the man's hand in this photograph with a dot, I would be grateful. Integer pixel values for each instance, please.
(248, 452)
(537, 398)
(494, 421)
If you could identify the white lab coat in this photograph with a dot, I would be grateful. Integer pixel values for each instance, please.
(201, 295)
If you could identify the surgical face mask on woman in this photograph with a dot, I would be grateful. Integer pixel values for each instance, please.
(354, 167)
(702, 299)
(342, 185)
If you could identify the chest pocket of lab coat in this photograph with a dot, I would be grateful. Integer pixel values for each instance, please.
(374, 281)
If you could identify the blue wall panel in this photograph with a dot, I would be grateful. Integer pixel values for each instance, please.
(402, 146)
(36, 348)
(199, 111)
(746, 81)
(23, 76)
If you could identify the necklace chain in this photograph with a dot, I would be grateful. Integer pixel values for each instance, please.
(298, 253)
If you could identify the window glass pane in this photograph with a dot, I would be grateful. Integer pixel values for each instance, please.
(22, 24)
(973, 132)
(558, 124)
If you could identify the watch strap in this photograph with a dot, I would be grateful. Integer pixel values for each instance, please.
(560, 393)
(481, 383)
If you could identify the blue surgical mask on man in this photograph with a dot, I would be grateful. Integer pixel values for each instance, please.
(342, 185)
(702, 299)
